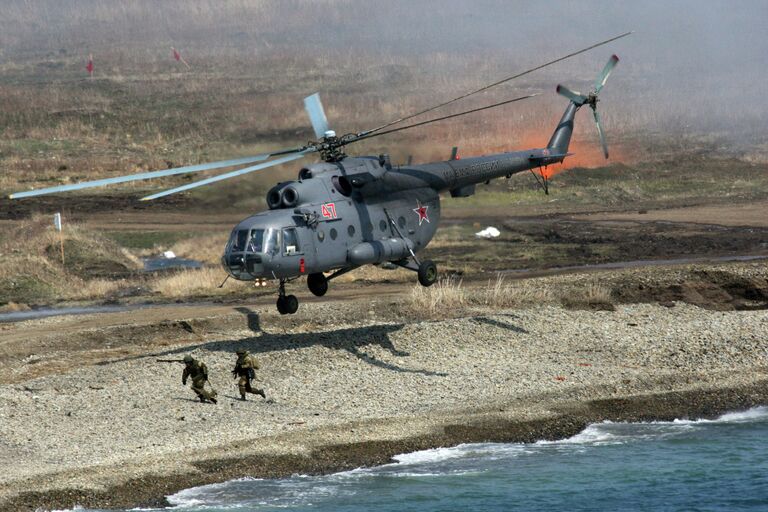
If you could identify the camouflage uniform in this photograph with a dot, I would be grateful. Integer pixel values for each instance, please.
(244, 368)
(199, 374)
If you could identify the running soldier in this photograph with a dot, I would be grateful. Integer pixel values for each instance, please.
(245, 368)
(199, 374)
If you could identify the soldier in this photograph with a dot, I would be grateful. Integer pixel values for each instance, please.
(245, 369)
(199, 373)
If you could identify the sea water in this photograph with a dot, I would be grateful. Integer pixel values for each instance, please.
(701, 465)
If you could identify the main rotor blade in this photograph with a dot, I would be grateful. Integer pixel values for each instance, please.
(603, 76)
(574, 96)
(485, 88)
(228, 175)
(149, 175)
(600, 132)
(316, 113)
(445, 117)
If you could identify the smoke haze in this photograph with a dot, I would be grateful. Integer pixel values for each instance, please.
(690, 66)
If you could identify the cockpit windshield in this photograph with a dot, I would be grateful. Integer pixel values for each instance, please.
(254, 240)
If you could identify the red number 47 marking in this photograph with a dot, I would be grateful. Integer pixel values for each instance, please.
(329, 210)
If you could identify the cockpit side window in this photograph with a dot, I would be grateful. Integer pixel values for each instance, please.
(290, 241)
(239, 239)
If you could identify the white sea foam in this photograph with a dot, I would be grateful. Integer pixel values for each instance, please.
(297, 490)
(754, 414)
(195, 496)
(608, 432)
(486, 450)
(596, 434)
(432, 456)
(198, 496)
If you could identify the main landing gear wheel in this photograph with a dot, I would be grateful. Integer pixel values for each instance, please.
(427, 273)
(287, 304)
(317, 284)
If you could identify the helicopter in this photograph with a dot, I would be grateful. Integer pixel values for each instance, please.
(346, 212)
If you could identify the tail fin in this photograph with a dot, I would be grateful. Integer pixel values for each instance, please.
(561, 138)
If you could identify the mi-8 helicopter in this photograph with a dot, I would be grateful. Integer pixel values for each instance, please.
(345, 212)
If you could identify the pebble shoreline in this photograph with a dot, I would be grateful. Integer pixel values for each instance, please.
(127, 433)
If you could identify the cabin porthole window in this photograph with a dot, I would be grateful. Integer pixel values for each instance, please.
(401, 222)
(334, 234)
(351, 230)
(383, 225)
(321, 235)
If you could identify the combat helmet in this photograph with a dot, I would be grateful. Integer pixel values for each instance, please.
(187, 359)
(241, 351)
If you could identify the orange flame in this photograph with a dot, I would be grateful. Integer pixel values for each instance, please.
(586, 153)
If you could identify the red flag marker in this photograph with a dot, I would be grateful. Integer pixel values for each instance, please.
(178, 57)
(89, 66)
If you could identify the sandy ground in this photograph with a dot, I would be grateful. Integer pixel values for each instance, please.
(90, 417)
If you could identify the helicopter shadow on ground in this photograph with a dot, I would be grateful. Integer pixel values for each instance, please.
(500, 324)
(253, 323)
(252, 318)
(352, 340)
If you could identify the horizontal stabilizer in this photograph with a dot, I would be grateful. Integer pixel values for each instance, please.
(549, 157)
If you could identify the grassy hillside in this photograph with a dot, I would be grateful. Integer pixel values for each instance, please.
(251, 63)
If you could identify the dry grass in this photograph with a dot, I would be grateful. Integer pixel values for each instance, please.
(207, 249)
(94, 288)
(445, 296)
(501, 294)
(196, 283)
(590, 295)
(596, 293)
(12, 307)
(449, 296)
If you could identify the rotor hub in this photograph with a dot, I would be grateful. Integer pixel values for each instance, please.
(330, 146)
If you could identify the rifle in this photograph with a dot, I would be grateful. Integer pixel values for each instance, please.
(169, 360)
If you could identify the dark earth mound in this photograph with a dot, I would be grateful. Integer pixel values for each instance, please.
(709, 289)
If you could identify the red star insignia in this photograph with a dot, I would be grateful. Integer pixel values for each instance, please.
(421, 211)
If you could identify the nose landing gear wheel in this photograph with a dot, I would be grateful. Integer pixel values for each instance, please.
(287, 304)
(427, 273)
(317, 284)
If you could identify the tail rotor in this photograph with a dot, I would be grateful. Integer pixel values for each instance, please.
(591, 99)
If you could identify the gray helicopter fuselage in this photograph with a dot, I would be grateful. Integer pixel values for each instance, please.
(357, 211)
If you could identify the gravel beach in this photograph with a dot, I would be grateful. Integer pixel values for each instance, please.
(110, 426)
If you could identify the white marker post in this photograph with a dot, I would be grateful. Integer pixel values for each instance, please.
(57, 225)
